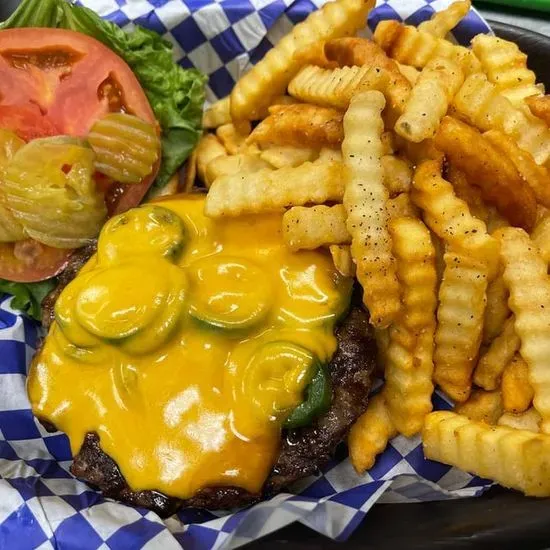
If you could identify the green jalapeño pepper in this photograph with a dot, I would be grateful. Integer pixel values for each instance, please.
(318, 400)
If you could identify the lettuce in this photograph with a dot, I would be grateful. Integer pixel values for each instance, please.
(175, 94)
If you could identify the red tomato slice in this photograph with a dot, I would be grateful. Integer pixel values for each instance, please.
(58, 82)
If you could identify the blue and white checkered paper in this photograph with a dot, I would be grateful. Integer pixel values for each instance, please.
(42, 506)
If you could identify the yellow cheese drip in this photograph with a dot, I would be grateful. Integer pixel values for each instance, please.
(185, 356)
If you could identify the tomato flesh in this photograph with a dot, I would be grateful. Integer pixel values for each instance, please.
(59, 82)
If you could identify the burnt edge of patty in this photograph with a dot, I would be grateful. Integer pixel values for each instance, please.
(303, 451)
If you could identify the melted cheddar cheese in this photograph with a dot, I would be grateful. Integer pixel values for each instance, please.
(184, 344)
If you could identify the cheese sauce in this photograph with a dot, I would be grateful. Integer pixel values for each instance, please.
(185, 343)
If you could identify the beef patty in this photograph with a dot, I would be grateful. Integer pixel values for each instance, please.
(303, 451)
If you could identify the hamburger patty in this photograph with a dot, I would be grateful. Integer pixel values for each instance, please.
(303, 451)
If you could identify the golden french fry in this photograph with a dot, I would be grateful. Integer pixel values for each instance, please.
(443, 22)
(492, 363)
(355, 51)
(388, 143)
(310, 228)
(449, 217)
(370, 435)
(506, 67)
(539, 106)
(190, 173)
(418, 152)
(518, 459)
(315, 55)
(526, 275)
(410, 46)
(429, 100)
(229, 165)
(365, 200)
(494, 173)
(300, 125)
(470, 194)
(460, 322)
(281, 156)
(233, 138)
(326, 154)
(529, 420)
(517, 393)
(217, 114)
(343, 260)
(536, 176)
(482, 406)
(402, 207)
(208, 148)
(541, 238)
(409, 359)
(497, 310)
(275, 190)
(270, 76)
(336, 87)
(482, 105)
(409, 72)
(497, 221)
(398, 174)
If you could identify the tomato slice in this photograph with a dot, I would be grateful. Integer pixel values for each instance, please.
(29, 261)
(52, 82)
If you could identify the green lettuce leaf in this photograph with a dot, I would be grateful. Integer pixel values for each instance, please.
(175, 94)
(28, 297)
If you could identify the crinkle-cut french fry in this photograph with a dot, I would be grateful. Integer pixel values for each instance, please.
(492, 363)
(275, 190)
(336, 87)
(494, 173)
(410, 46)
(398, 174)
(481, 104)
(280, 156)
(518, 459)
(506, 67)
(529, 420)
(233, 138)
(342, 258)
(315, 55)
(409, 72)
(208, 148)
(312, 227)
(402, 207)
(460, 322)
(418, 152)
(229, 165)
(356, 51)
(415, 255)
(517, 393)
(539, 106)
(497, 310)
(365, 200)
(482, 406)
(526, 275)
(332, 155)
(217, 114)
(429, 100)
(536, 176)
(443, 22)
(409, 364)
(469, 193)
(541, 238)
(449, 217)
(370, 435)
(300, 125)
(270, 76)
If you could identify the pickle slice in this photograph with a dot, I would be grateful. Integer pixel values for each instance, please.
(126, 147)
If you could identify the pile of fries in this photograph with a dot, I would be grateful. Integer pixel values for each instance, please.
(422, 167)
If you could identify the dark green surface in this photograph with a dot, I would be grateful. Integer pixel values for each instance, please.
(541, 5)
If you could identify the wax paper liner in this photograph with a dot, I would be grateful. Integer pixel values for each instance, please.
(43, 506)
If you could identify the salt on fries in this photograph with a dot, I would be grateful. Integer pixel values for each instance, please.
(421, 167)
